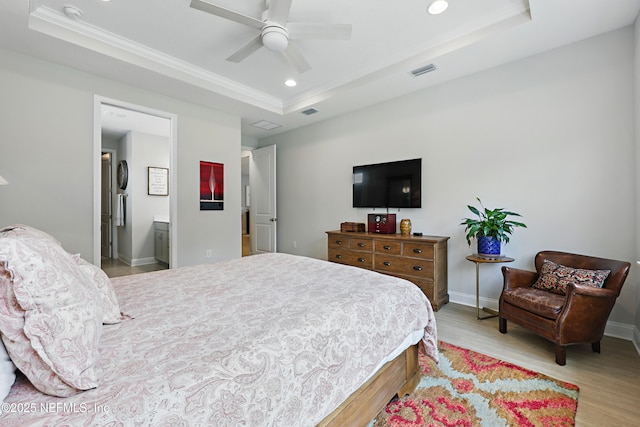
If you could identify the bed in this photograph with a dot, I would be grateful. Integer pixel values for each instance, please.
(265, 340)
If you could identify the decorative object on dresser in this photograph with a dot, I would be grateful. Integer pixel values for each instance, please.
(421, 260)
(490, 228)
(382, 223)
(352, 226)
(405, 227)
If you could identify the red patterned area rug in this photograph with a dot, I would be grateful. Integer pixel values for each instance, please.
(471, 389)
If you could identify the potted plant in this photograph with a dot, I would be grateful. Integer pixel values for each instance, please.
(490, 228)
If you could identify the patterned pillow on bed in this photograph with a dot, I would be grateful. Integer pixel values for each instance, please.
(555, 277)
(50, 313)
(110, 307)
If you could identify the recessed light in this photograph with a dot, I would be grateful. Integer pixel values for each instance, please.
(437, 7)
(290, 83)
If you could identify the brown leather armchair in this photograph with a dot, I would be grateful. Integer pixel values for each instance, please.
(578, 317)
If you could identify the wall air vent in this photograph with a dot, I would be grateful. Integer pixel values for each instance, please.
(309, 111)
(423, 70)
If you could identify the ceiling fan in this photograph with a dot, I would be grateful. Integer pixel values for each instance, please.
(276, 31)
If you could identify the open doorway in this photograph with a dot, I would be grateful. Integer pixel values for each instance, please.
(133, 226)
(245, 198)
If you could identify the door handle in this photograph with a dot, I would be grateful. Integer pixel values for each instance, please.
(273, 220)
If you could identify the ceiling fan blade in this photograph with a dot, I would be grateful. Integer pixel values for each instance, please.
(226, 13)
(246, 50)
(279, 11)
(319, 31)
(295, 58)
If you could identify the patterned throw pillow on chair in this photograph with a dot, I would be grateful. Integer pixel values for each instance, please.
(554, 277)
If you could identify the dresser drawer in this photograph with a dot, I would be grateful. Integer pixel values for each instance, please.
(405, 266)
(338, 242)
(387, 247)
(426, 285)
(357, 259)
(361, 244)
(417, 250)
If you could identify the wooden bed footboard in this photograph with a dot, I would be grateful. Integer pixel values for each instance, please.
(400, 376)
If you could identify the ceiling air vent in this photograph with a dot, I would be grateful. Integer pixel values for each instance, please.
(423, 70)
(266, 125)
(309, 111)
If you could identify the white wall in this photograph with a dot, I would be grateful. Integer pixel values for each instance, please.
(46, 149)
(550, 137)
(146, 151)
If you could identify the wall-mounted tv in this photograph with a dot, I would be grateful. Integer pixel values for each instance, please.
(388, 185)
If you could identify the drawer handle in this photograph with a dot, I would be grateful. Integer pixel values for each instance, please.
(338, 256)
(338, 242)
(417, 250)
(387, 247)
(387, 263)
(361, 260)
(417, 268)
(361, 245)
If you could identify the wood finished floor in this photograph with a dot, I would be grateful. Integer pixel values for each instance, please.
(609, 382)
(115, 267)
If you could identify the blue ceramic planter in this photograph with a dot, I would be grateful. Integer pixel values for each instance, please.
(488, 245)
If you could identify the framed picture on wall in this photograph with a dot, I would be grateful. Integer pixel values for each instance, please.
(211, 186)
(158, 181)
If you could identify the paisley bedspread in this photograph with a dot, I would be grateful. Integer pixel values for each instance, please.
(265, 340)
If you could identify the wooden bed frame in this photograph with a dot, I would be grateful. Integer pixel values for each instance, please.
(398, 377)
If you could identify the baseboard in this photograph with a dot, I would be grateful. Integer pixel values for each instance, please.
(124, 259)
(613, 329)
(143, 261)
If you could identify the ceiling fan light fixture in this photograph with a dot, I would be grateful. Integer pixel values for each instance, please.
(275, 38)
(437, 7)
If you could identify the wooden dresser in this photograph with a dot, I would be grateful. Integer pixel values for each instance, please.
(421, 260)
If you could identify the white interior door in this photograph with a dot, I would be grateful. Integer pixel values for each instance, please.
(105, 214)
(262, 179)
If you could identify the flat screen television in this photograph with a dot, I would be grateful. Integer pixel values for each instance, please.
(388, 185)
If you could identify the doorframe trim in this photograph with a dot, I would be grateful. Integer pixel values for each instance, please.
(98, 100)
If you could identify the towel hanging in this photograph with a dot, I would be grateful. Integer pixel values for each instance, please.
(120, 218)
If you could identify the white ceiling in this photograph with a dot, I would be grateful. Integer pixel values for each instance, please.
(170, 48)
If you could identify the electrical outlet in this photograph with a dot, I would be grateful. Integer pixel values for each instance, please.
(209, 253)
(295, 244)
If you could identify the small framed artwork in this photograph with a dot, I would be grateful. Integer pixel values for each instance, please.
(158, 179)
(211, 186)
